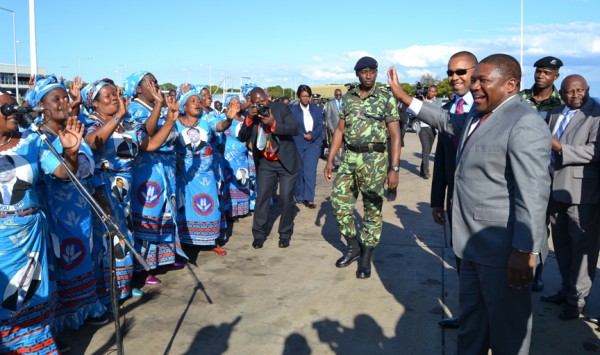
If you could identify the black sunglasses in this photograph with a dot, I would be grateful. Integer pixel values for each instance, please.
(458, 71)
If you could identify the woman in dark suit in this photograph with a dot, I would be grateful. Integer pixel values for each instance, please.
(309, 118)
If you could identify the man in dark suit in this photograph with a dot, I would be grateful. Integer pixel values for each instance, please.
(271, 129)
(460, 68)
(501, 189)
(332, 117)
(575, 200)
(119, 190)
(12, 189)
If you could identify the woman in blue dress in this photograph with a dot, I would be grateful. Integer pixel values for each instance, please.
(199, 215)
(236, 191)
(26, 282)
(69, 216)
(115, 145)
(153, 186)
(309, 118)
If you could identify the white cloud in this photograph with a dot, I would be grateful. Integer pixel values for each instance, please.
(576, 43)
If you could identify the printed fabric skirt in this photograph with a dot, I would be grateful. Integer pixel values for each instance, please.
(27, 286)
(101, 242)
(153, 209)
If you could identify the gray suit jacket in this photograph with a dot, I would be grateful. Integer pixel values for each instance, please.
(332, 114)
(577, 168)
(501, 183)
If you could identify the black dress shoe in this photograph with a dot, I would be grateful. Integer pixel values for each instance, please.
(570, 311)
(452, 322)
(258, 243)
(595, 320)
(558, 298)
(284, 243)
(537, 286)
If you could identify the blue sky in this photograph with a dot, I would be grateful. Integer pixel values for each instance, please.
(291, 43)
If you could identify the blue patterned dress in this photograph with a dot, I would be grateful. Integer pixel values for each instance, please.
(69, 218)
(114, 164)
(153, 194)
(26, 280)
(199, 216)
(236, 191)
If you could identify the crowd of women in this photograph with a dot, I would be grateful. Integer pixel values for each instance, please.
(169, 171)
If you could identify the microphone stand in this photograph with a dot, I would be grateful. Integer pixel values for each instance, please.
(112, 231)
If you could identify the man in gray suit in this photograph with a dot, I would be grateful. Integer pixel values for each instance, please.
(575, 201)
(501, 191)
(332, 117)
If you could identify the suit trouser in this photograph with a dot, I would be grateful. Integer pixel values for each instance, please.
(576, 239)
(307, 180)
(493, 315)
(426, 136)
(268, 174)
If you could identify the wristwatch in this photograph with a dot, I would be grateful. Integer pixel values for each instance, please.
(395, 168)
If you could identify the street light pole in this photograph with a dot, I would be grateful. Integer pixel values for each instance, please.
(522, 40)
(15, 51)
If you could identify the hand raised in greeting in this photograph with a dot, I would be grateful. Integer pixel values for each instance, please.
(233, 109)
(123, 104)
(70, 136)
(173, 109)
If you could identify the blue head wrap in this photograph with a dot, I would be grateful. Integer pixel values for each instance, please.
(229, 98)
(132, 82)
(42, 86)
(182, 98)
(89, 92)
(247, 87)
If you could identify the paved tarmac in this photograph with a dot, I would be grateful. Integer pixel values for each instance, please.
(294, 301)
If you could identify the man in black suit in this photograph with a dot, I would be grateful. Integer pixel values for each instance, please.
(119, 189)
(12, 189)
(442, 184)
(271, 128)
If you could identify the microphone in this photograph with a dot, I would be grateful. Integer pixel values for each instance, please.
(8, 110)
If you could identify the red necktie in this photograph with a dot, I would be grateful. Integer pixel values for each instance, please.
(459, 111)
(479, 123)
(459, 106)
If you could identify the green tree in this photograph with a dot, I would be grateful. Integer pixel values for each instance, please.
(409, 89)
(276, 91)
(167, 87)
(428, 79)
(444, 89)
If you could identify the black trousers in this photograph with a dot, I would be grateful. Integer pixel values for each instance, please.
(268, 174)
(426, 136)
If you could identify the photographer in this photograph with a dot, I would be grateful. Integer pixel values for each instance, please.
(270, 128)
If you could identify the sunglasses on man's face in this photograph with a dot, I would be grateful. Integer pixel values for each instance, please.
(458, 71)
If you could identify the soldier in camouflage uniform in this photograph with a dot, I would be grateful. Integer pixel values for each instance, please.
(543, 96)
(369, 115)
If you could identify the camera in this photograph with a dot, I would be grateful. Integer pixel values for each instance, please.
(351, 86)
(262, 110)
(421, 91)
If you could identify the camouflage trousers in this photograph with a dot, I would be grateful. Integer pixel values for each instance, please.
(364, 172)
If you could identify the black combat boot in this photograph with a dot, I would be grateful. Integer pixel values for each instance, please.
(352, 253)
(364, 267)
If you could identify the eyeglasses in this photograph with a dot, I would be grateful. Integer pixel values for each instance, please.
(458, 71)
(574, 92)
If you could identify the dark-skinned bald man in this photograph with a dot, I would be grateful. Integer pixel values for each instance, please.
(270, 129)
